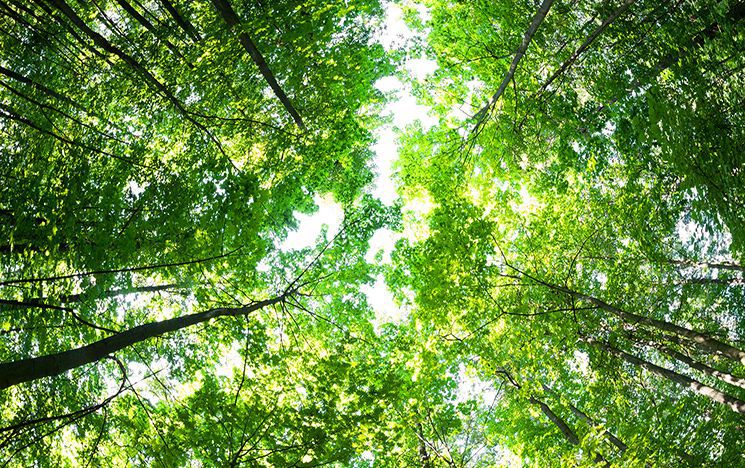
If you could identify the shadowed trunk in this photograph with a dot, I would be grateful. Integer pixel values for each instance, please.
(569, 434)
(583, 416)
(231, 19)
(26, 370)
(680, 379)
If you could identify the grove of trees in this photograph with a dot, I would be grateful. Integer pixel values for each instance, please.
(569, 264)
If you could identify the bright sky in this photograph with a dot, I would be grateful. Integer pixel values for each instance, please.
(403, 110)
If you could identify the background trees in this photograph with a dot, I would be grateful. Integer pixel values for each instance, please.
(575, 223)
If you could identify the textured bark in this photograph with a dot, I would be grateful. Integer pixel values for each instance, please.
(231, 19)
(26, 370)
(712, 393)
(569, 434)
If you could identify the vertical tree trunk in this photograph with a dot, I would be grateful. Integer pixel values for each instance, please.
(424, 457)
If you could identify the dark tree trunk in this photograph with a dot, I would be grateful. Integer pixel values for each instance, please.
(231, 19)
(569, 434)
(590, 39)
(583, 416)
(680, 379)
(538, 18)
(181, 21)
(26, 370)
(701, 340)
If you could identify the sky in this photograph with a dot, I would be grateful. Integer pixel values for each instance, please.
(403, 110)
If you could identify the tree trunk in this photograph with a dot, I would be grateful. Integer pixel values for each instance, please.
(424, 457)
(20, 78)
(699, 366)
(181, 21)
(231, 19)
(149, 26)
(26, 370)
(116, 270)
(569, 434)
(680, 379)
(701, 340)
(481, 115)
(581, 415)
(590, 39)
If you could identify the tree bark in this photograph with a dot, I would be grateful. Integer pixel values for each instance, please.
(590, 39)
(26, 370)
(149, 26)
(181, 21)
(117, 270)
(424, 457)
(569, 434)
(712, 393)
(230, 17)
(583, 416)
(20, 78)
(699, 366)
(527, 38)
(701, 340)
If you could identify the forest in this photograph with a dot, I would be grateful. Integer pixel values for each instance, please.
(563, 261)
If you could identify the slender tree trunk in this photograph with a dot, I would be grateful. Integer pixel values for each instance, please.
(22, 79)
(701, 340)
(231, 19)
(32, 304)
(424, 457)
(583, 416)
(736, 13)
(26, 370)
(692, 363)
(569, 434)
(680, 379)
(538, 18)
(126, 6)
(103, 43)
(117, 270)
(182, 22)
(44, 303)
(590, 39)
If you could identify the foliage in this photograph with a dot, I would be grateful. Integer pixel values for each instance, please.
(571, 293)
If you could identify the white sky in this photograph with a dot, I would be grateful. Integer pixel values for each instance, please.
(403, 110)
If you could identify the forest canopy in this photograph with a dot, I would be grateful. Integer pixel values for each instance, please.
(559, 281)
